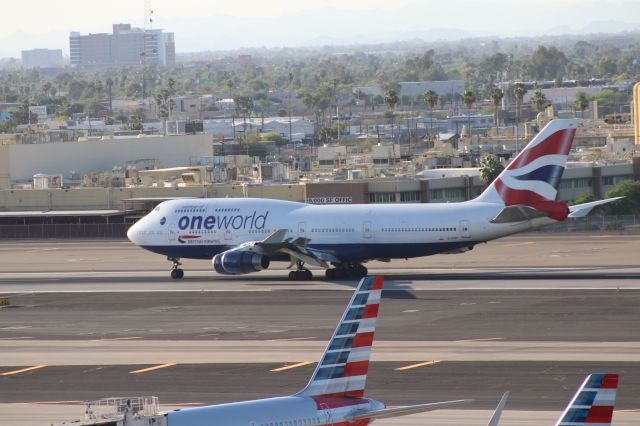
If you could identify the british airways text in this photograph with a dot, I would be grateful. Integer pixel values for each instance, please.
(252, 221)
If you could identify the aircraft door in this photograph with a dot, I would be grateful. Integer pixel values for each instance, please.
(227, 234)
(367, 230)
(465, 229)
(172, 232)
(302, 229)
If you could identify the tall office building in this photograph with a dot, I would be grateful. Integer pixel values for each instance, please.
(125, 46)
(42, 58)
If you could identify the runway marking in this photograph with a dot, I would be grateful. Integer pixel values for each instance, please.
(631, 410)
(157, 367)
(117, 338)
(23, 370)
(291, 339)
(16, 338)
(488, 339)
(526, 243)
(289, 367)
(410, 311)
(421, 364)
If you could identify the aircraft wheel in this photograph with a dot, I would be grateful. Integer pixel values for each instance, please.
(330, 273)
(177, 273)
(292, 275)
(308, 276)
(340, 273)
(360, 271)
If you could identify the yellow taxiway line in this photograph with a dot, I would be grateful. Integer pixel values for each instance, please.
(289, 367)
(157, 367)
(422, 364)
(23, 370)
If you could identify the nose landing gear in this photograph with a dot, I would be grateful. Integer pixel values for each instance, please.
(176, 272)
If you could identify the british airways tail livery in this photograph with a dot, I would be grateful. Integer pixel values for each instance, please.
(335, 393)
(244, 235)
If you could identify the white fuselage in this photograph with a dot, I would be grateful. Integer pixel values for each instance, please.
(202, 228)
(282, 411)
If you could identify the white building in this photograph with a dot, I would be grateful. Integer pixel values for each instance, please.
(443, 88)
(42, 58)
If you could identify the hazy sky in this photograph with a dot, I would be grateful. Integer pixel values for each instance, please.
(212, 25)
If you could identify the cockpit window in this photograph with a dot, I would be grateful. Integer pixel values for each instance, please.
(157, 209)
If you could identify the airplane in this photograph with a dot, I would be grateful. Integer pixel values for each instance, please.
(243, 235)
(335, 392)
(592, 405)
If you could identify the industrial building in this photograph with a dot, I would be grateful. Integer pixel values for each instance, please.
(42, 58)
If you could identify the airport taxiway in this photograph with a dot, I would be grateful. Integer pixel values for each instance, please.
(531, 314)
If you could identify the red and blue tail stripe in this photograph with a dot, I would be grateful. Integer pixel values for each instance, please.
(594, 402)
(342, 371)
(532, 179)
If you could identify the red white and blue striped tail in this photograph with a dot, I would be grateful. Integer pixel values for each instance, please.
(533, 177)
(342, 371)
(593, 403)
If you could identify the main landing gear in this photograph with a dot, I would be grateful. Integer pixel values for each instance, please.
(176, 272)
(301, 273)
(345, 271)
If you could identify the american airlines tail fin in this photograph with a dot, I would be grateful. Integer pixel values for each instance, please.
(533, 177)
(593, 403)
(342, 371)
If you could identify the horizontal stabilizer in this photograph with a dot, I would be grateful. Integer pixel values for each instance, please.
(403, 411)
(581, 210)
(517, 213)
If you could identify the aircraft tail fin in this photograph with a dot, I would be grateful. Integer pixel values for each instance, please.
(593, 403)
(532, 179)
(342, 371)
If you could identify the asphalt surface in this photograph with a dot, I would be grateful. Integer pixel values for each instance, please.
(529, 315)
(532, 314)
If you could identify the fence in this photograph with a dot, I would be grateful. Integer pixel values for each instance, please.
(595, 223)
(75, 230)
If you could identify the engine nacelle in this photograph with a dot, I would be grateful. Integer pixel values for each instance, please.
(239, 262)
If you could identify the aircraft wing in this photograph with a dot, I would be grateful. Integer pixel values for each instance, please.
(402, 411)
(296, 249)
(495, 418)
(581, 210)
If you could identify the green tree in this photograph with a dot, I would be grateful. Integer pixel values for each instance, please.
(540, 101)
(468, 98)
(391, 99)
(630, 204)
(496, 94)
(431, 99)
(490, 168)
(519, 90)
(581, 103)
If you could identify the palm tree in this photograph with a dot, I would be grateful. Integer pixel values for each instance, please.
(581, 103)
(496, 95)
(391, 99)
(468, 98)
(431, 99)
(519, 90)
(540, 101)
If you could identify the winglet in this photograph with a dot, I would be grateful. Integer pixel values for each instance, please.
(495, 418)
(593, 403)
(342, 371)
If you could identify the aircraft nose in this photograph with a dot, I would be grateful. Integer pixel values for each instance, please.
(133, 233)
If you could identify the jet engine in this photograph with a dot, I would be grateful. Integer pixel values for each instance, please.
(239, 262)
